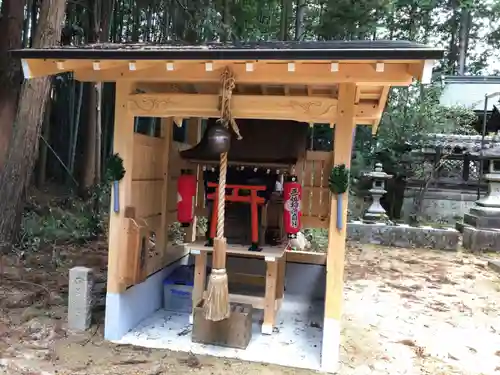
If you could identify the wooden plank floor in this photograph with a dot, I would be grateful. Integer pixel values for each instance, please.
(267, 251)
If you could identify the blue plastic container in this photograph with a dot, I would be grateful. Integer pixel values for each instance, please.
(178, 289)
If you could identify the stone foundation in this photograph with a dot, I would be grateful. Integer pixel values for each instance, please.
(494, 265)
(481, 239)
(404, 236)
(444, 206)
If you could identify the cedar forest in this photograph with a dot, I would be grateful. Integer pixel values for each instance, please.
(54, 137)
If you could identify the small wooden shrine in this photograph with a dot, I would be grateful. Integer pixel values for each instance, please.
(279, 89)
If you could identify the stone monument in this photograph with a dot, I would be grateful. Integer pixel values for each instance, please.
(481, 230)
(81, 283)
(376, 212)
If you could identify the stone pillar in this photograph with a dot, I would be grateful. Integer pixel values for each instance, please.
(375, 212)
(481, 231)
(81, 282)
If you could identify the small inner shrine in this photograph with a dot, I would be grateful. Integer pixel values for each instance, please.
(256, 168)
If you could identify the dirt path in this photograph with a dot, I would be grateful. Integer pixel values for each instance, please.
(406, 312)
(422, 312)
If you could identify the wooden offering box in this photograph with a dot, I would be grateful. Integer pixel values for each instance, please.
(234, 332)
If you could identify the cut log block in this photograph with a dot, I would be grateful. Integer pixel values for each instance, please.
(234, 332)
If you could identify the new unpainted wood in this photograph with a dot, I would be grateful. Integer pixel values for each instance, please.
(270, 297)
(299, 108)
(317, 76)
(247, 279)
(313, 171)
(337, 238)
(305, 257)
(200, 275)
(137, 250)
(233, 332)
(149, 193)
(382, 100)
(120, 262)
(280, 282)
(257, 301)
(267, 251)
(271, 302)
(193, 136)
(45, 67)
(162, 236)
(277, 73)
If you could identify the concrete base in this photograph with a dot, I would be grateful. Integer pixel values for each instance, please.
(481, 220)
(296, 341)
(125, 310)
(481, 239)
(404, 236)
(494, 265)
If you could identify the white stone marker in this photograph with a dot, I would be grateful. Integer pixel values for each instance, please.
(81, 283)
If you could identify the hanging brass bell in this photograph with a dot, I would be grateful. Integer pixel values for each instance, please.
(218, 138)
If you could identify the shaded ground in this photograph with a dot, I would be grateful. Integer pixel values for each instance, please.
(406, 312)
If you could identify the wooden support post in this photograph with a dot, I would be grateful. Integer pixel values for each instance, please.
(342, 149)
(200, 275)
(193, 136)
(119, 272)
(270, 296)
(162, 237)
(280, 284)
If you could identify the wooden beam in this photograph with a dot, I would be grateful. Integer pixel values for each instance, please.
(123, 144)
(305, 257)
(416, 69)
(344, 134)
(41, 68)
(384, 95)
(266, 73)
(274, 107)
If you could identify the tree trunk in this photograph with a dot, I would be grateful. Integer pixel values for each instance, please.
(463, 40)
(99, 33)
(23, 150)
(226, 20)
(284, 20)
(26, 24)
(42, 159)
(299, 20)
(453, 49)
(11, 27)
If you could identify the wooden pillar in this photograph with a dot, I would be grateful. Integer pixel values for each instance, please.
(167, 134)
(123, 144)
(342, 149)
(193, 136)
(193, 132)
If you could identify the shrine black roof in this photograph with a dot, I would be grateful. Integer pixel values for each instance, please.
(320, 50)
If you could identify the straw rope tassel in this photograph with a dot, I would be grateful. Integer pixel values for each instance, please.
(217, 303)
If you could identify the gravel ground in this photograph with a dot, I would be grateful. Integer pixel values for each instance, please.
(407, 311)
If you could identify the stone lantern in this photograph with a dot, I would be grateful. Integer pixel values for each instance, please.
(492, 200)
(482, 223)
(376, 212)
